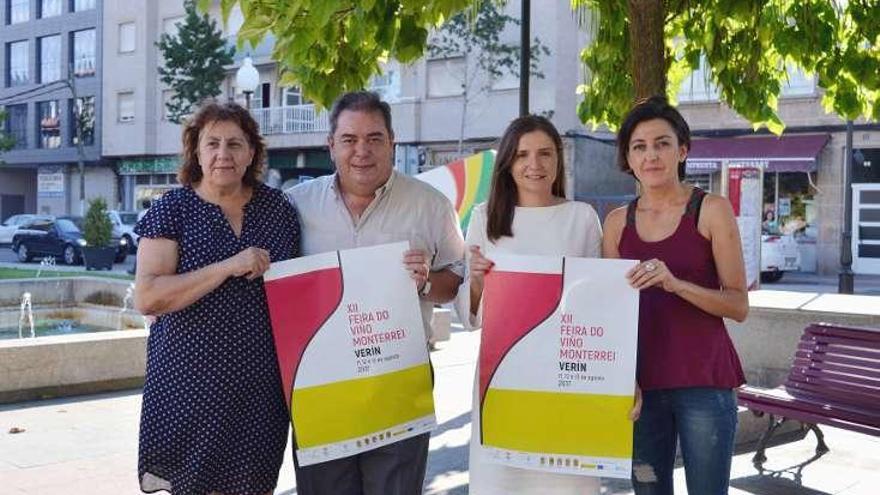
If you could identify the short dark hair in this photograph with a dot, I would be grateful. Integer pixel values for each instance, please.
(655, 107)
(360, 101)
(503, 195)
(190, 172)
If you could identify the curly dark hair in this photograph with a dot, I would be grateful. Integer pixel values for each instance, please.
(655, 107)
(190, 172)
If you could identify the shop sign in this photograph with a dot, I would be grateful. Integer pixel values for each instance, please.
(50, 185)
(161, 165)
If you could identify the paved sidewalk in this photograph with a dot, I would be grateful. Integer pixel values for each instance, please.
(88, 446)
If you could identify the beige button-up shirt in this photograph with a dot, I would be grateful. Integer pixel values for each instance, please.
(404, 209)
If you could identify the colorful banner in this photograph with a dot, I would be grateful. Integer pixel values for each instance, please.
(352, 352)
(557, 364)
(465, 182)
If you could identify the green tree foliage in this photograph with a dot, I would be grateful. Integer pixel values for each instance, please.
(328, 47)
(97, 229)
(746, 45)
(194, 62)
(6, 141)
(331, 46)
(477, 40)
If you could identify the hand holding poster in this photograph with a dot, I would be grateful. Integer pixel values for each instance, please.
(351, 349)
(557, 364)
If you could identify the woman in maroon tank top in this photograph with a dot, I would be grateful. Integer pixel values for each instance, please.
(690, 275)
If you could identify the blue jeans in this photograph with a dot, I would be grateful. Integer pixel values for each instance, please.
(703, 420)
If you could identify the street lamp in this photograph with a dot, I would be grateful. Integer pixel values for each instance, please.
(247, 78)
(845, 283)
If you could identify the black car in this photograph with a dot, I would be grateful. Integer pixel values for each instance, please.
(60, 237)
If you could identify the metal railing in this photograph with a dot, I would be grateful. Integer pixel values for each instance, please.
(291, 120)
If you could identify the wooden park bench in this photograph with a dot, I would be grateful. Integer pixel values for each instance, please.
(834, 380)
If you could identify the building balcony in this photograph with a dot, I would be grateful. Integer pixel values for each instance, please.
(297, 119)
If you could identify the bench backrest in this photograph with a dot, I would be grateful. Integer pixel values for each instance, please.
(840, 366)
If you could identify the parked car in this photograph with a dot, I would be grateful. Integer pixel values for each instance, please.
(123, 227)
(60, 237)
(779, 254)
(12, 224)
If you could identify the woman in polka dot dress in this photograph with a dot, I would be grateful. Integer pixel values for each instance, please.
(214, 420)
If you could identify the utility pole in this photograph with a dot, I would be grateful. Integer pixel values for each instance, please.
(525, 57)
(81, 154)
(845, 283)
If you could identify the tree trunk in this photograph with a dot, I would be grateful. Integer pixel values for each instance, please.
(647, 53)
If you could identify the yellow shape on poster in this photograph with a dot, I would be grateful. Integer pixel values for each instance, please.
(324, 414)
(561, 423)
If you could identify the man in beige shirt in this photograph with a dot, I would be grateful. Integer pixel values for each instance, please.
(363, 204)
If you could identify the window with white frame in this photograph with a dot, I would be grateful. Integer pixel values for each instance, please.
(698, 86)
(797, 82)
(261, 97)
(83, 53)
(49, 126)
(387, 85)
(507, 80)
(50, 58)
(127, 35)
(17, 63)
(125, 106)
(445, 77)
(80, 5)
(171, 25)
(291, 97)
(51, 8)
(18, 11)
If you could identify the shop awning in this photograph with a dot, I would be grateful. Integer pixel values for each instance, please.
(792, 153)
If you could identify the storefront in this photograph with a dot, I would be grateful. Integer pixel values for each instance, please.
(145, 179)
(788, 166)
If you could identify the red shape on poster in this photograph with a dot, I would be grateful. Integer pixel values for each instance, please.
(299, 305)
(514, 303)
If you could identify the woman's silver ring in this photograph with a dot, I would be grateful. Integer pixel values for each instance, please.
(650, 266)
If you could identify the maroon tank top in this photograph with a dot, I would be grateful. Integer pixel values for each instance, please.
(680, 345)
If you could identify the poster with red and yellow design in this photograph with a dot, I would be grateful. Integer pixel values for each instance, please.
(557, 364)
(352, 351)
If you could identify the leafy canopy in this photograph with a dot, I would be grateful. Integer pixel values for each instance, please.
(194, 62)
(328, 47)
(746, 45)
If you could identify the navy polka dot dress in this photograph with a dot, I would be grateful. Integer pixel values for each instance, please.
(214, 416)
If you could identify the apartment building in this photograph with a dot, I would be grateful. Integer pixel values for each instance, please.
(139, 140)
(42, 43)
(426, 100)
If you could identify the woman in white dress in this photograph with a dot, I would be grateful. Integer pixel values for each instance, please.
(527, 213)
